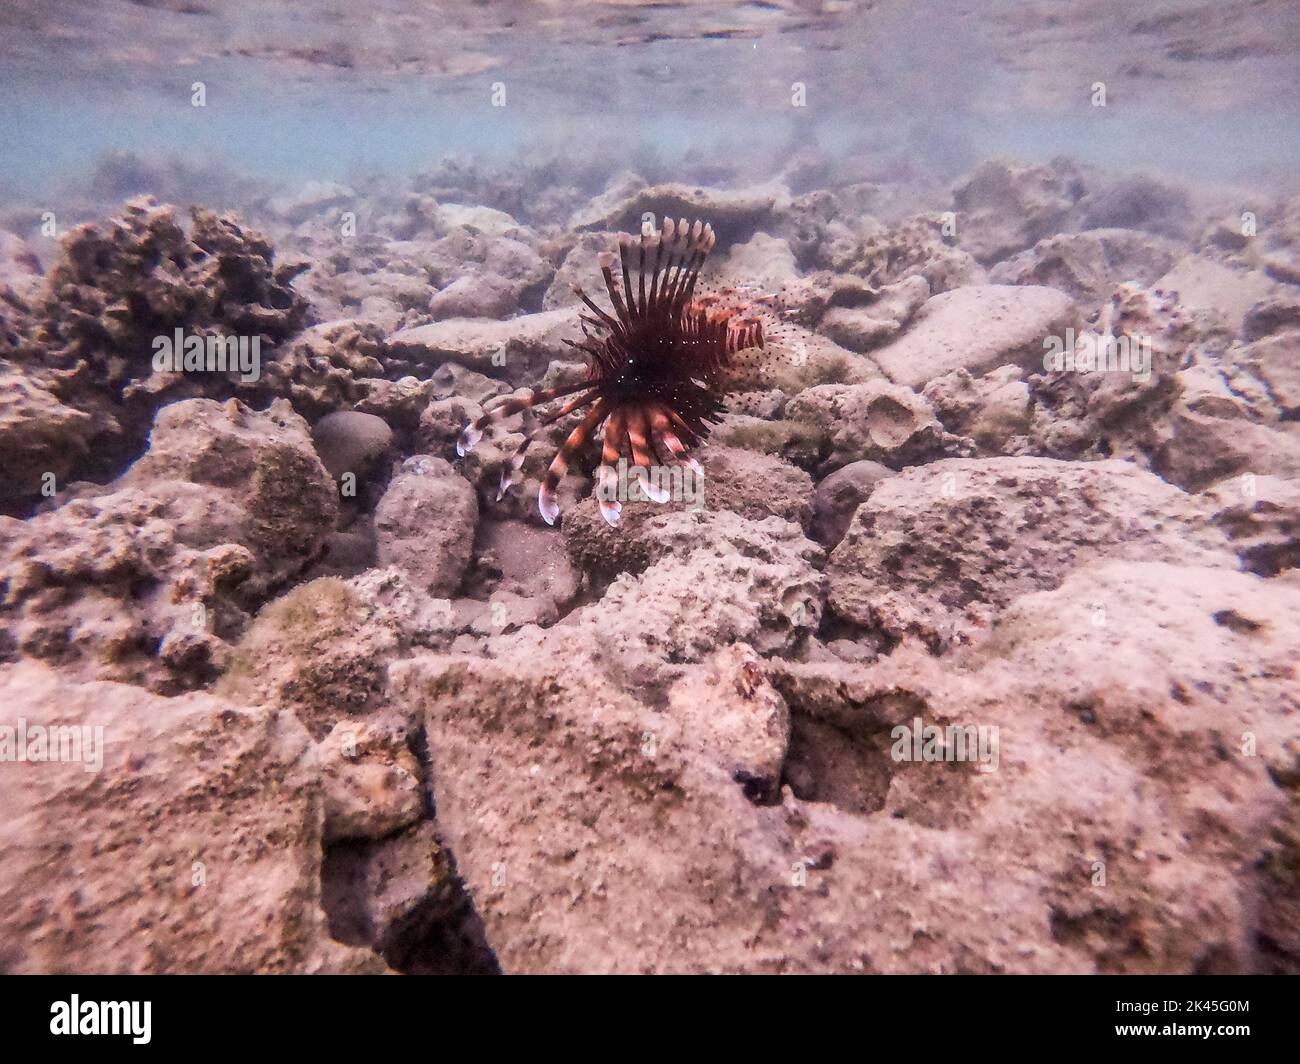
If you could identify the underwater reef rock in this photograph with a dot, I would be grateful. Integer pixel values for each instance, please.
(259, 483)
(684, 584)
(575, 269)
(518, 349)
(730, 475)
(1088, 266)
(40, 437)
(384, 283)
(327, 367)
(861, 328)
(310, 199)
(763, 262)
(117, 287)
(516, 271)
(1265, 238)
(1210, 407)
(351, 441)
(1139, 202)
(640, 766)
(838, 497)
(444, 418)
(387, 893)
(994, 410)
(713, 579)
(1261, 517)
(424, 524)
(1087, 714)
(883, 255)
(321, 649)
(1271, 316)
(937, 551)
(463, 179)
(373, 783)
(749, 720)
(1210, 434)
(448, 260)
(877, 421)
(1275, 362)
(1228, 295)
(1003, 208)
(197, 845)
(474, 296)
(21, 271)
(523, 561)
(1114, 414)
(104, 588)
(144, 580)
(977, 328)
(401, 403)
(795, 442)
(735, 214)
(728, 484)
(630, 796)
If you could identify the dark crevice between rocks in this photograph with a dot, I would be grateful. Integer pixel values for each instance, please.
(1277, 943)
(833, 628)
(1235, 622)
(425, 926)
(417, 741)
(761, 790)
(849, 768)
(531, 298)
(104, 461)
(455, 945)
(1109, 935)
(1273, 958)
(416, 914)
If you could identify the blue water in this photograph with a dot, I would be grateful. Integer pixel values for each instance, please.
(932, 80)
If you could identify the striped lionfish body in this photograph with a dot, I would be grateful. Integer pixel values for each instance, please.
(658, 364)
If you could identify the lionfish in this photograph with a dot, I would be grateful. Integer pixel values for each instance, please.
(658, 366)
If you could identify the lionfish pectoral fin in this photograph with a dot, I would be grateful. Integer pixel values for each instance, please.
(547, 505)
(607, 488)
(468, 439)
(653, 490)
(511, 405)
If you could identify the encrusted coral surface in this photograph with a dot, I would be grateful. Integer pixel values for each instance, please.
(402, 723)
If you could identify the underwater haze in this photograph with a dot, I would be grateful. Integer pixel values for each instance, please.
(330, 90)
(794, 486)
